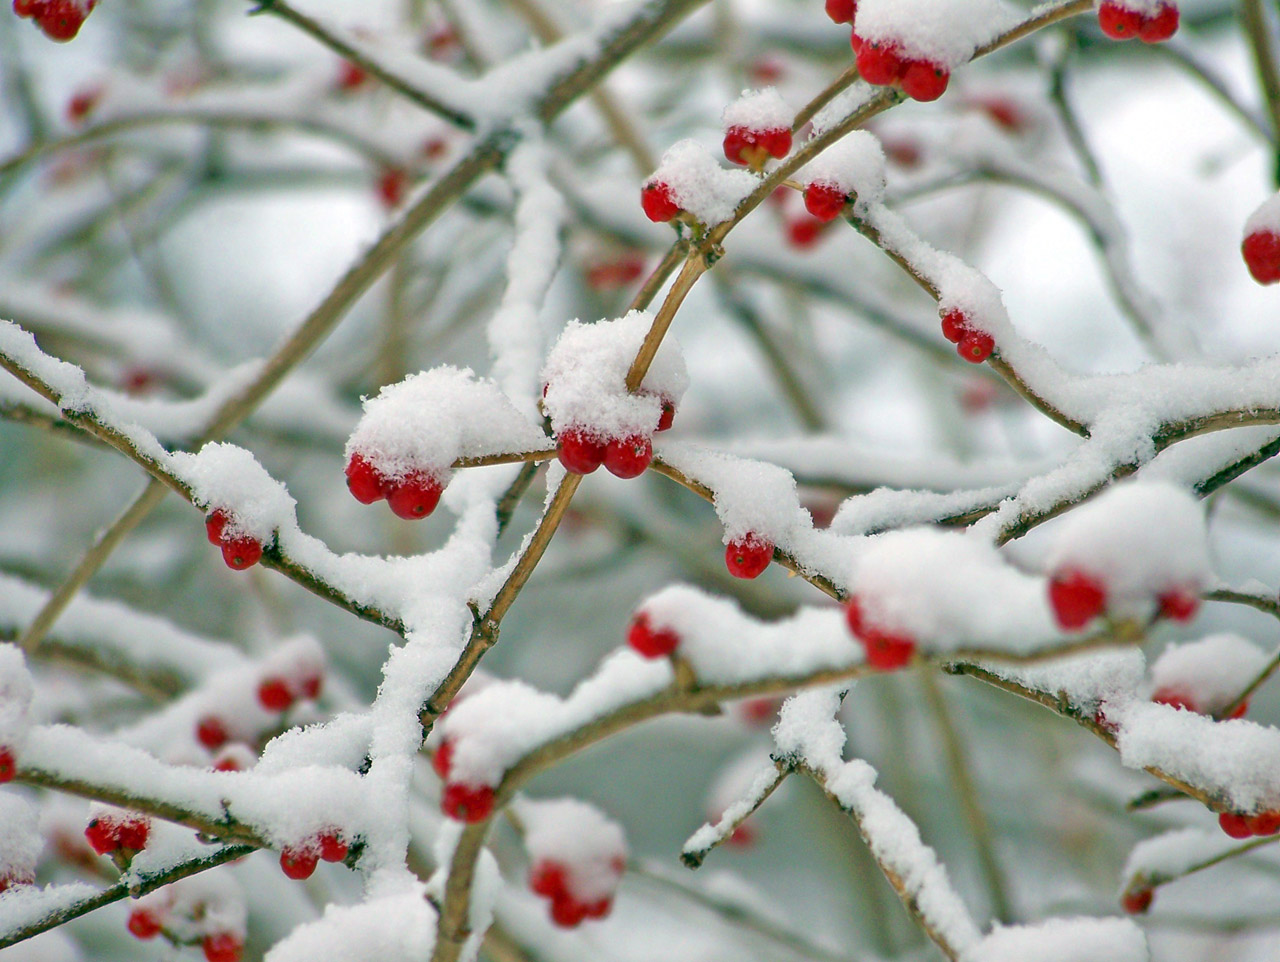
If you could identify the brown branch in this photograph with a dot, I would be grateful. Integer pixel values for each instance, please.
(1258, 34)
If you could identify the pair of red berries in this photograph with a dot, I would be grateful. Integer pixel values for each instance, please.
(1261, 250)
(580, 453)
(238, 551)
(748, 556)
(107, 834)
(752, 147)
(973, 345)
(414, 496)
(1246, 826)
(648, 640)
(885, 650)
(1120, 23)
(461, 801)
(59, 19)
(1176, 698)
(276, 693)
(882, 63)
(299, 861)
(1078, 597)
(550, 879)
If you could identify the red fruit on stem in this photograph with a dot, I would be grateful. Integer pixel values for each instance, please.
(103, 835)
(1161, 26)
(1235, 824)
(143, 924)
(746, 145)
(879, 63)
(841, 11)
(567, 912)
(241, 553)
(1264, 823)
(1174, 699)
(8, 765)
(298, 863)
(548, 879)
(804, 232)
(925, 81)
(1179, 604)
(211, 732)
(224, 947)
(853, 616)
(1117, 22)
(658, 202)
(955, 325)
(133, 833)
(364, 482)
(668, 416)
(1261, 250)
(274, 694)
(824, 201)
(976, 346)
(748, 556)
(82, 103)
(393, 183)
(628, 457)
(887, 651)
(649, 641)
(743, 836)
(61, 19)
(415, 497)
(856, 42)
(1137, 902)
(1076, 598)
(214, 523)
(1240, 710)
(442, 760)
(579, 453)
(332, 847)
(311, 686)
(467, 803)
(28, 8)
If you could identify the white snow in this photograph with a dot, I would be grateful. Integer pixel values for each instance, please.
(700, 185)
(758, 110)
(1212, 671)
(1063, 940)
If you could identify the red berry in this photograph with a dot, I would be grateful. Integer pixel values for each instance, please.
(598, 909)
(1240, 710)
(1137, 902)
(415, 497)
(274, 694)
(225, 947)
(143, 924)
(759, 710)
(60, 19)
(332, 847)
(1179, 604)
(227, 762)
(804, 232)
(1264, 823)
(1161, 26)
(1261, 251)
(955, 325)
(298, 863)
(364, 481)
(579, 453)
(658, 202)
(748, 556)
(241, 553)
(548, 879)
(392, 184)
(312, 686)
(1174, 699)
(745, 145)
(1077, 598)
(567, 912)
(442, 760)
(853, 615)
(211, 732)
(351, 75)
(879, 63)
(615, 273)
(743, 836)
(103, 835)
(467, 803)
(668, 416)
(133, 833)
(1004, 112)
(886, 651)
(976, 346)
(649, 641)
(924, 81)
(628, 457)
(82, 103)
(8, 765)
(856, 42)
(1117, 22)
(841, 11)
(214, 523)
(824, 201)
(1235, 825)
(28, 8)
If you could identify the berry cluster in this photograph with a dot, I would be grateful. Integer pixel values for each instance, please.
(154, 917)
(554, 881)
(581, 452)
(1121, 23)
(278, 692)
(752, 147)
(1238, 825)
(650, 640)
(1077, 597)
(972, 344)
(59, 19)
(748, 556)
(460, 800)
(413, 496)
(1261, 250)
(299, 861)
(239, 550)
(108, 834)
(886, 650)
(882, 63)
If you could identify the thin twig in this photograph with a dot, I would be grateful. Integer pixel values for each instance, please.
(1258, 33)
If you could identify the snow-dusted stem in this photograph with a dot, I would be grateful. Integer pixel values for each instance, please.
(1258, 33)
(725, 828)
(825, 96)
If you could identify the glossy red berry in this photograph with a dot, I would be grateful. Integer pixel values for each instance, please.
(132, 833)
(214, 524)
(1179, 604)
(1174, 699)
(824, 201)
(467, 803)
(415, 497)
(224, 947)
(143, 924)
(103, 835)
(976, 346)
(1235, 824)
(650, 641)
(853, 616)
(1117, 22)
(241, 553)
(333, 848)
(364, 482)
(1160, 26)
(841, 11)
(442, 760)
(274, 694)
(211, 732)
(8, 765)
(580, 453)
(1137, 902)
(924, 81)
(28, 8)
(746, 145)
(668, 416)
(658, 202)
(885, 650)
(548, 879)
(1076, 598)
(628, 457)
(567, 912)
(1264, 823)
(1261, 250)
(298, 863)
(748, 556)
(955, 325)
(61, 19)
(879, 63)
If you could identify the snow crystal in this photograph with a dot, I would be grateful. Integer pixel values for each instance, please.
(758, 110)
(854, 164)
(1111, 676)
(700, 185)
(1063, 940)
(492, 727)
(1266, 217)
(396, 928)
(1211, 671)
(591, 846)
(944, 32)
(15, 697)
(225, 476)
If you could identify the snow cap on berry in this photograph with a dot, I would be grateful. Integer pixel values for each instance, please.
(1265, 217)
(591, 846)
(1211, 671)
(15, 698)
(944, 33)
(430, 419)
(228, 477)
(1139, 539)
(700, 185)
(492, 728)
(967, 290)
(758, 110)
(586, 375)
(855, 165)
